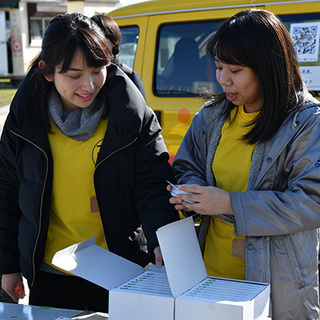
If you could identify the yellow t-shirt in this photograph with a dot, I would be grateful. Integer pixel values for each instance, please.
(74, 215)
(223, 255)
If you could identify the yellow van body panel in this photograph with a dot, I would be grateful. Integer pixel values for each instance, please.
(165, 6)
(177, 112)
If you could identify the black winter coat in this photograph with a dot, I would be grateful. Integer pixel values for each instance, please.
(130, 178)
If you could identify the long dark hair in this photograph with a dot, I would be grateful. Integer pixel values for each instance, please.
(65, 35)
(259, 40)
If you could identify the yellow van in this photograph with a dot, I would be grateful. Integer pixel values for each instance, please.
(165, 42)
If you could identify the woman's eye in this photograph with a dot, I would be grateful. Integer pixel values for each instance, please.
(74, 76)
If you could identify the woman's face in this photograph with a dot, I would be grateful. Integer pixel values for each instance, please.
(241, 85)
(79, 86)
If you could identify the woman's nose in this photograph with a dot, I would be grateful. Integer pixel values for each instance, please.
(87, 84)
(224, 78)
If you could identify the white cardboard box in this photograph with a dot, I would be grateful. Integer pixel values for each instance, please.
(181, 291)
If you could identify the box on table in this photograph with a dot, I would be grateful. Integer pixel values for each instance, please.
(181, 291)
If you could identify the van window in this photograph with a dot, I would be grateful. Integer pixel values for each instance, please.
(128, 46)
(183, 66)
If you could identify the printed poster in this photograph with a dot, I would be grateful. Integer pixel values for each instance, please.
(305, 38)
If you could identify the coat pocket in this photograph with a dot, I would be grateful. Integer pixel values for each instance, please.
(286, 263)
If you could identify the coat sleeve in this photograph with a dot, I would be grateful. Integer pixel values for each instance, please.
(152, 170)
(288, 197)
(9, 209)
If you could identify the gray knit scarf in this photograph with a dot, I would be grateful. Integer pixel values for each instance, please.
(79, 124)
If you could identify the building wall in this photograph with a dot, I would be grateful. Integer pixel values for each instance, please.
(90, 8)
(19, 22)
(30, 51)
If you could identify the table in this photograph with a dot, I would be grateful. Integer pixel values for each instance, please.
(11, 311)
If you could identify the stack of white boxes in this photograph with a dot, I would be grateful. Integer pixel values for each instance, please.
(181, 291)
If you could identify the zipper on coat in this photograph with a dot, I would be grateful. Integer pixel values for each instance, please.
(107, 157)
(41, 202)
(115, 151)
(43, 189)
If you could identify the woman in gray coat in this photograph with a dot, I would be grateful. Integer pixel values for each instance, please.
(251, 161)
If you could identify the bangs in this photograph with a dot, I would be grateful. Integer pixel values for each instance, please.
(226, 53)
(232, 49)
(232, 44)
(95, 51)
(95, 57)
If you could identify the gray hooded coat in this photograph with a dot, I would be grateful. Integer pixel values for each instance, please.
(279, 214)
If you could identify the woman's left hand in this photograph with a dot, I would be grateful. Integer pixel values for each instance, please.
(207, 200)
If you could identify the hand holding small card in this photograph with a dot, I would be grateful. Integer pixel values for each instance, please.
(176, 191)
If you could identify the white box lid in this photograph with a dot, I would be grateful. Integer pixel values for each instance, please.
(93, 263)
(182, 255)
(179, 246)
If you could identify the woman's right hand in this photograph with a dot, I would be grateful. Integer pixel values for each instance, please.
(12, 284)
(205, 200)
